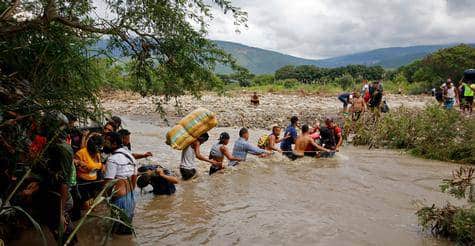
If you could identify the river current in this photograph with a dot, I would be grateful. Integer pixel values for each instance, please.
(360, 197)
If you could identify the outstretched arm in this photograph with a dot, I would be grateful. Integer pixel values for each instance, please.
(319, 147)
(141, 156)
(196, 147)
(228, 155)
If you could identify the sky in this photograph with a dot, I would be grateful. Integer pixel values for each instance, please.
(328, 28)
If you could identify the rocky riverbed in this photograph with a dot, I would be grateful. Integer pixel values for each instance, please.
(235, 109)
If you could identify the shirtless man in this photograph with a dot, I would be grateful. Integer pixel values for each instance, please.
(303, 141)
(358, 106)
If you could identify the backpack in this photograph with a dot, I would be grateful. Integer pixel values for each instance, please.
(327, 137)
(263, 141)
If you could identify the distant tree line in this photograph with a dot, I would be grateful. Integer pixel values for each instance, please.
(310, 74)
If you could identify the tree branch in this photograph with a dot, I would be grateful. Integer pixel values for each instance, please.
(10, 11)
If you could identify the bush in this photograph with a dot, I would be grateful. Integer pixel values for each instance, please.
(455, 223)
(433, 133)
(290, 83)
(263, 79)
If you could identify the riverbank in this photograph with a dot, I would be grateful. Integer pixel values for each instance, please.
(235, 109)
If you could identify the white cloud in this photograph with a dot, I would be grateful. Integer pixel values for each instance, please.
(326, 28)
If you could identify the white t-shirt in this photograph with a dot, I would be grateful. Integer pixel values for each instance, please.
(120, 165)
(451, 92)
(188, 158)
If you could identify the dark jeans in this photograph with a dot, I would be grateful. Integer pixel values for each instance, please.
(213, 169)
(187, 173)
(81, 193)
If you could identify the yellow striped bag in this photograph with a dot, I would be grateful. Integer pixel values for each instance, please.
(191, 127)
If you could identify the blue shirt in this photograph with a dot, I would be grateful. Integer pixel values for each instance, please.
(286, 144)
(241, 148)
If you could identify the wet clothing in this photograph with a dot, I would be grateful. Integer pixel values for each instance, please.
(127, 204)
(286, 144)
(188, 158)
(120, 165)
(330, 136)
(241, 148)
(160, 185)
(187, 174)
(293, 156)
(213, 169)
(89, 172)
(216, 151)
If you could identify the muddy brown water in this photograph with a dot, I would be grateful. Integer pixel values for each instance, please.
(360, 197)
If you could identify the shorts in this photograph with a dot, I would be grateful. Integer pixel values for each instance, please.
(213, 169)
(187, 174)
(293, 156)
(310, 153)
(468, 100)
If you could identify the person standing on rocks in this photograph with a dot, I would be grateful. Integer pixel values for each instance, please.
(188, 164)
(449, 95)
(291, 132)
(346, 99)
(242, 147)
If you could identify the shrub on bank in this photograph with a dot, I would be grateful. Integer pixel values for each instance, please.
(433, 133)
(452, 222)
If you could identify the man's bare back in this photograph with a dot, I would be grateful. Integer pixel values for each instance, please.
(301, 144)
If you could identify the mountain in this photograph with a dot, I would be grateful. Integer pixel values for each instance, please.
(261, 61)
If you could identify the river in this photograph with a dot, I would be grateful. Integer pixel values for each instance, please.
(360, 197)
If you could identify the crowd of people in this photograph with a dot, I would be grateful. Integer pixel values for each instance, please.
(449, 94)
(369, 98)
(88, 160)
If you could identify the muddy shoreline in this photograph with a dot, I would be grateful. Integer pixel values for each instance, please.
(235, 109)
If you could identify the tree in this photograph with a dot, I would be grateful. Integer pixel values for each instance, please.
(286, 72)
(47, 66)
(443, 64)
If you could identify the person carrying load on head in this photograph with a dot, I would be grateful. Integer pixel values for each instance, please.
(219, 151)
(162, 180)
(242, 147)
(189, 155)
(269, 142)
(188, 135)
